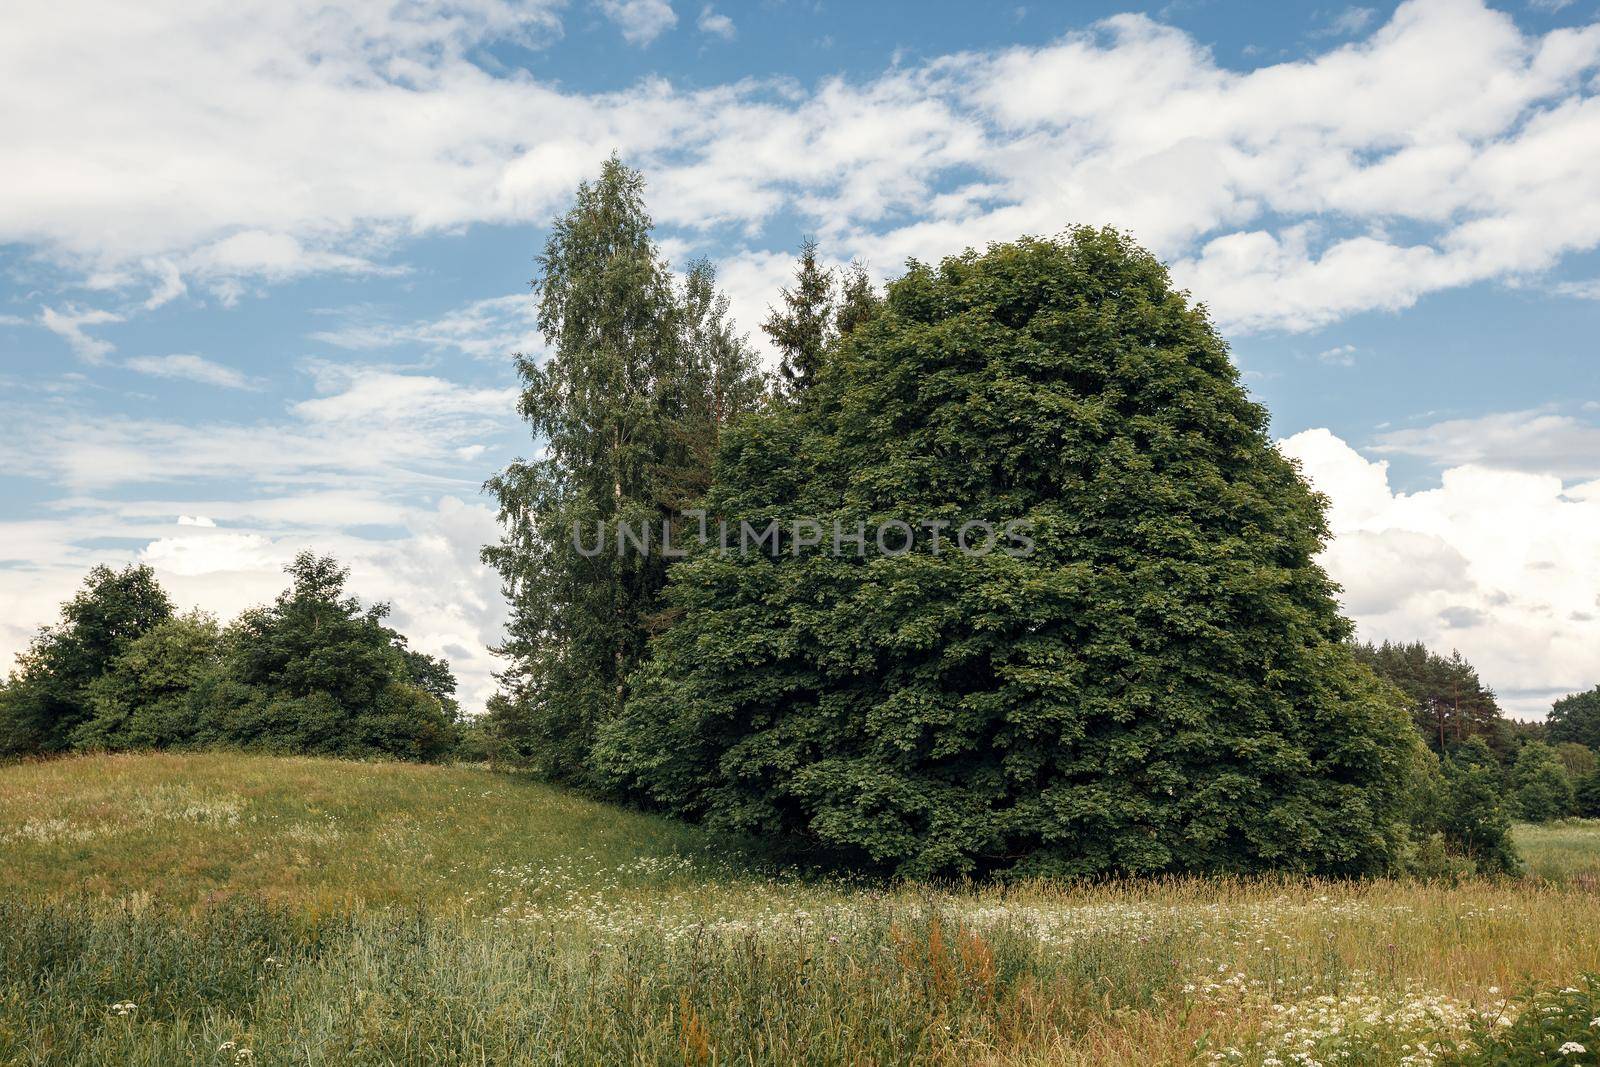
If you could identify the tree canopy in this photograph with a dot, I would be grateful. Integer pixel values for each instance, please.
(48, 696)
(1164, 683)
(1576, 718)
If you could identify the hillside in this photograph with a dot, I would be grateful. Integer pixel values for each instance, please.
(230, 909)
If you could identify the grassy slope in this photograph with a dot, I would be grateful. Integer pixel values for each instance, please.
(424, 914)
(190, 829)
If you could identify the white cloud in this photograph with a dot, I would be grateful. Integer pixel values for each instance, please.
(69, 326)
(1588, 289)
(1351, 20)
(380, 470)
(716, 24)
(169, 284)
(192, 368)
(1538, 442)
(1279, 193)
(641, 21)
(491, 328)
(1338, 356)
(1501, 564)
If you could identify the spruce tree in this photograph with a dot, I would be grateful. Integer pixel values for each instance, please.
(1164, 684)
(804, 327)
(858, 301)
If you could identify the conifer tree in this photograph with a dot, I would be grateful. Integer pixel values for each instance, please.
(803, 328)
(858, 301)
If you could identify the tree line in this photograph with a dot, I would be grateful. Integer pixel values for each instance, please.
(1167, 684)
(314, 672)
(1541, 771)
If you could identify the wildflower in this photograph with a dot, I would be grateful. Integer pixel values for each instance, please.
(1571, 1048)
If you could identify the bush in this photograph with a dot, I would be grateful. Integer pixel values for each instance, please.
(1542, 789)
(316, 673)
(1164, 684)
(1473, 814)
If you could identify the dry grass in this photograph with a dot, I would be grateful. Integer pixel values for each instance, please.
(321, 912)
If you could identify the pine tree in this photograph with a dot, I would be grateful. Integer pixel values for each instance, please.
(1449, 703)
(804, 327)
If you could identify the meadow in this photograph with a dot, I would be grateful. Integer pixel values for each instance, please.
(226, 909)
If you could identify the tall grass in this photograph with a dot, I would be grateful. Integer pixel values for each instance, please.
(311, 912)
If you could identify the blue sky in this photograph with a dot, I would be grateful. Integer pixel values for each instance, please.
(262, 262)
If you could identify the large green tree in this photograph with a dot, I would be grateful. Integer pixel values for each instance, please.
(1164, 683)
(48, 696)
(1576, 718)
(627, 408)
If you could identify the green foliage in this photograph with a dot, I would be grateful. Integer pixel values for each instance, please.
(628, 409)
(805, 326)
(311, 673)
(859, 302)
(48, 696)
(144, 698)
(316, 673)
(1164, 684)
(1540, 784)
(1587, 797)
(1576, 718)
(1472, 812)
(1549, 1026)
(1579, 761)
(1448, 702)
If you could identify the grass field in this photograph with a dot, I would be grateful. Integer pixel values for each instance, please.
(227, 909)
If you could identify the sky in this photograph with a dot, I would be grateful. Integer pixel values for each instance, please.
(263, 263)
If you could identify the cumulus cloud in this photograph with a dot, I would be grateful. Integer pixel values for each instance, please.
(641, 21)
(1441, 148)
(192, 368)
(1502, 564)
(379, 468)
(716, 24)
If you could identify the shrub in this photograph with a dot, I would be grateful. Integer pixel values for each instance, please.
(143, 699)
(1473, 813)
(1542, 789)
